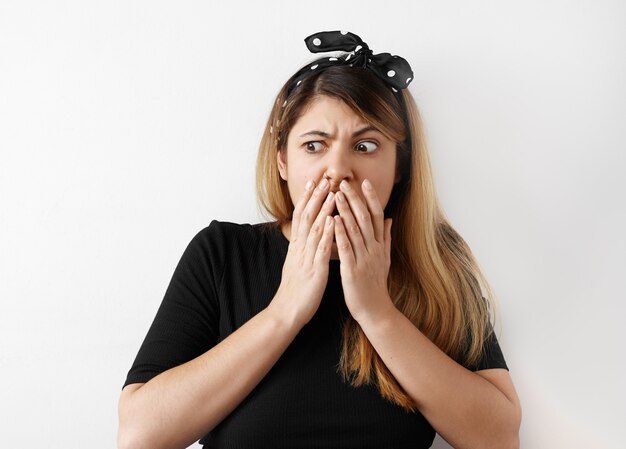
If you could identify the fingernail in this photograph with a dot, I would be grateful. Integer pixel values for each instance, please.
(345, 185)
(308, 185)
(367, 185)
(323, 184)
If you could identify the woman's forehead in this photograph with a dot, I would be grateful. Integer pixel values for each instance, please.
(330, 113)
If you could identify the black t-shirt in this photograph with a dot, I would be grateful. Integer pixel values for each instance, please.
(227, 274)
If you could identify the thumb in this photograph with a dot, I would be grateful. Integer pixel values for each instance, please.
(388, 223)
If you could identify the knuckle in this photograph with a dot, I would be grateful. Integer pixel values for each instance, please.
(298, 250)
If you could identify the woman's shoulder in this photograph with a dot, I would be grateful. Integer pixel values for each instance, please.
(236, 245)
(225, 233)
(223, 227)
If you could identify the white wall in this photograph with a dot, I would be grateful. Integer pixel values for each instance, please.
(126, 127)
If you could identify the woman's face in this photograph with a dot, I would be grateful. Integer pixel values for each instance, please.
(328, 140)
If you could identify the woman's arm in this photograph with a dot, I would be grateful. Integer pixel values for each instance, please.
(182, 404)
(470, 410)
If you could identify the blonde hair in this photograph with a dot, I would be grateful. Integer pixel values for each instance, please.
(434, 279)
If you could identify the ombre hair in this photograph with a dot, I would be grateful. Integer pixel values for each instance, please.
(434, 279)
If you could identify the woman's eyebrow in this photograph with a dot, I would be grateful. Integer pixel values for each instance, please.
(316, 132)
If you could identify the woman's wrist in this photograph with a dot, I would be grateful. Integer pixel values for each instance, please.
(288, 318)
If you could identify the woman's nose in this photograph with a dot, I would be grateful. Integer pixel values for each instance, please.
(337, 168)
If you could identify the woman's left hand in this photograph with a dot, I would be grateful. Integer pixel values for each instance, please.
(364, 245)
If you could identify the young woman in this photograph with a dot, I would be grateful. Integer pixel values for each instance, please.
(355, 318)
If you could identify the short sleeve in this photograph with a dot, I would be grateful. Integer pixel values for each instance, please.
(491, 356)
(186, 324)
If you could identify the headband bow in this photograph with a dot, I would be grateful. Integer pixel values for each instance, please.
(392, 69)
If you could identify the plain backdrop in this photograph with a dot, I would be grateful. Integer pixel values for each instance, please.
(127, 126)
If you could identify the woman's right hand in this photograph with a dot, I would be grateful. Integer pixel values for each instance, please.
(305, 271)
(170, 399)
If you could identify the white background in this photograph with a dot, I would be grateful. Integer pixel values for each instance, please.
(126, 127)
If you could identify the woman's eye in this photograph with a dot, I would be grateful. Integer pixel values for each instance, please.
(308, 146)
(374, 146)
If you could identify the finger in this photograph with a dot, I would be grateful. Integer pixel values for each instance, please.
(359, 211)
(297, 211)
(317, 229)
(351, 227)
(344, 247)
(376, 211)
(310, 212)
(322, 255)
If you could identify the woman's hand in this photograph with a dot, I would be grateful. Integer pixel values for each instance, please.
(364, 244)
(305, 271)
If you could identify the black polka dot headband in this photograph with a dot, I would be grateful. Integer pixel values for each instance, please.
(392, 69)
